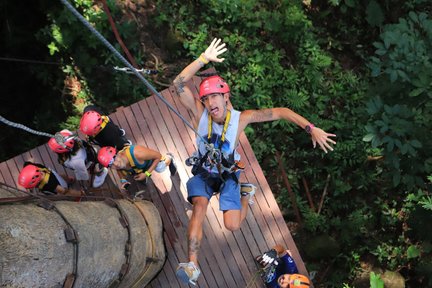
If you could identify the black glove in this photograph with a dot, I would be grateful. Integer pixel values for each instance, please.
(268, 258)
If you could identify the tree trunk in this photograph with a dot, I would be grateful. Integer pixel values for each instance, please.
(35, 252)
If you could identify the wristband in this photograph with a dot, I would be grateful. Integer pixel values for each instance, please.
(147, 173)
(203, 59)
(309, 128)
(123, 180)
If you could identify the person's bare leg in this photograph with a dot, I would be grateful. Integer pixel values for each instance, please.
(234, 218)
(195, 229)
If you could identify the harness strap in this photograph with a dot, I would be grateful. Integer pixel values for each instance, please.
(45, 179)
(126, 149)
(210, 122)
(105, 121)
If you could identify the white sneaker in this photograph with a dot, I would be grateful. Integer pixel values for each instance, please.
(100, 179)
(248, 189)
(188, 273)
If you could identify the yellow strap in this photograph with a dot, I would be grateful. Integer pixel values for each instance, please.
(227, 120)
(45, 179)
(126, 149)
(105, 121)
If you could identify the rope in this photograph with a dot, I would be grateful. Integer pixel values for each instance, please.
(117, 34)
(25, 128)
(122, 59)
(29, 61)
(252, 281)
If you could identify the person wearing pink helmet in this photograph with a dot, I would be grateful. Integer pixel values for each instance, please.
(80, 157)
(38, 177)
(101, 130)
(220, 125)
(135, 161)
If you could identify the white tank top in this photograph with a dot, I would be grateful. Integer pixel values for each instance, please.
(228, 147)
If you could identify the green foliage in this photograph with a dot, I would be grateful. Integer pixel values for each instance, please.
(413, 252)
(400, 111)
(376, 281)
(374, 14)
(70, 43)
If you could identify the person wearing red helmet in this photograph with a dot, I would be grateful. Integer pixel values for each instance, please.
(37, 176)
(135, 161)
(220, 125)
(101, 130)
(80, 157)
(279, 269)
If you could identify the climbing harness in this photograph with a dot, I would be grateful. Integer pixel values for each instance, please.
(142, 70)
(45, 179)
(133, 70)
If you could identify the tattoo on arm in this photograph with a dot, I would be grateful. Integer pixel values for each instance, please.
(262, 115)
(194, 245)
(180, 84)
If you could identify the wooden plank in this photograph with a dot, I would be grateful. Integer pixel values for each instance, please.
(2, 179)
(7, 176)
(274, 209)
(14, 171)
(179, 223)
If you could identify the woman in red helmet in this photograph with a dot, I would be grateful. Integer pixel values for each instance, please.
(280, 270)
(101, 130)
(45, 180)
(221, 126)
(80, 157)
(135, 161)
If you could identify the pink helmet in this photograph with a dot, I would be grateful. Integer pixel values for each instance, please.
(213, 84)
(30, 176)
(106, 155)
(69, 143)
(90, 123)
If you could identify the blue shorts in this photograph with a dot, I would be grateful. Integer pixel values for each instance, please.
(229, 199)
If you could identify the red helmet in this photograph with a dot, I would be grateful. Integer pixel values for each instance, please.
(106, 156)
(298, 281)
(30, 176)
(213, 84)
(90, 123)
(69, 143)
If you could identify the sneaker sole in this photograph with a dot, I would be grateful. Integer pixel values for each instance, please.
(183, 276)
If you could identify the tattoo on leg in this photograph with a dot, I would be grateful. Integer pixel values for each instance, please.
(194, 245)
(180, 84)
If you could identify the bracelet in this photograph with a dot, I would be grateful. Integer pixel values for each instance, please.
(203, 59)
(123, 180)
(147, 173)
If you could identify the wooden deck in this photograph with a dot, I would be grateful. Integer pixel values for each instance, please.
(226, 258)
